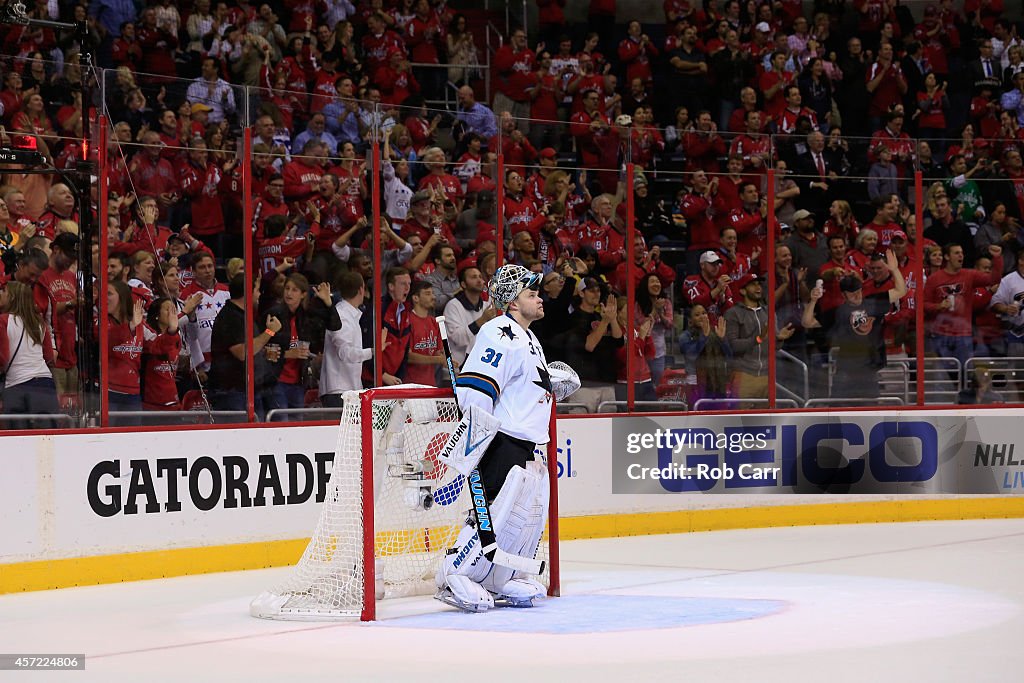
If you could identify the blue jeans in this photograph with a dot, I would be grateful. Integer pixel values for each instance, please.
(36, 396)
(289, 396)
(961, 348)
(124, 403)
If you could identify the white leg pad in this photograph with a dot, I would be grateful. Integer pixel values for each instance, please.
(519, 513)
(519, 526)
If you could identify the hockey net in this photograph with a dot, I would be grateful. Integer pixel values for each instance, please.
(388, 541)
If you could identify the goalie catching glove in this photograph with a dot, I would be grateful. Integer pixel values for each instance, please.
(564, 380)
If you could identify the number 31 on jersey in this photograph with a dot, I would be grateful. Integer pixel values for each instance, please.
(491, 357)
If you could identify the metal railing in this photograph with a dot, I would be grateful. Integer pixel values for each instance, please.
(172, 417)
(570, 406)
(638, 404)
(1007, 371)
(845, 402)
(301, 412)
(731, 403)
(55, 417)
(804, 369)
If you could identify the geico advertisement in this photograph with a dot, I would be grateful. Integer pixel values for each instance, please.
(912, 452)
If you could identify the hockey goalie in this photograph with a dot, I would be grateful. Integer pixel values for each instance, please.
(504, 389)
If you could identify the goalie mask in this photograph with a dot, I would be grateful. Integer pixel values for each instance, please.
(508, 282)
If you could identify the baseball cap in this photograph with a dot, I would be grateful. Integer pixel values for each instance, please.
(763, 27)
(66, 242)
(801, 214)
(177, 237)
(590, 283)
(746, 279)
(710, 257)
(548, 153)
(199, 106)
(899, 235)
(850, 283)
(785, 226)
(421, 196)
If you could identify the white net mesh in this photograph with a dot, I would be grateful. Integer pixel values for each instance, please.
(420, 506)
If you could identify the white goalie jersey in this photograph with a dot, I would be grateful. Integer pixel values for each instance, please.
(506, 374)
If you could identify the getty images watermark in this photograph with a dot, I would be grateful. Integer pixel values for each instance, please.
(676, 442)
(649, 458)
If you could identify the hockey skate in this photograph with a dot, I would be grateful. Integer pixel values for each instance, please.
(518, 593)
(462, 593)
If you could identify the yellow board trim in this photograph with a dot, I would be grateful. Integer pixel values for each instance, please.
(89, 571)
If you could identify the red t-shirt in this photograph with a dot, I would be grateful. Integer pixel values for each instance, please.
(424, 339)
(51, 289)
(160, 366)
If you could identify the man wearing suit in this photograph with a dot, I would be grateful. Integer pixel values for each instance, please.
(815, 176)
(986, 67)
(915, 67)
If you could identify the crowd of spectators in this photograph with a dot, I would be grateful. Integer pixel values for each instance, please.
(843, 100)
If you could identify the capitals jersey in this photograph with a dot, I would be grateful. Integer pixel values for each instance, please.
(506, 374)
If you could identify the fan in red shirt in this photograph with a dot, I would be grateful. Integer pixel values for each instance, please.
(377, 43)
(748, 220)
(302, 174)
(787, 118)
(513, 63)
(270, 204)
(511, 142)
(60, 207)
(703, 145)
(520, 211)
(600, 234)
(885, 83)
(841, 221)
(202, 182)
(161, 347)
(644, 263)
(887, 209)
(153, 175)
(696, 208)
(395, 78)
(397, 323)
(709, 288)
(436, 177)
(57, 298)
(646, 139)
(735, 263)
(158, 47)
(425, 354)
(592, 131)
(773, 84)
(636, 52)
(948, 299)
(125, 345)
(280, 242)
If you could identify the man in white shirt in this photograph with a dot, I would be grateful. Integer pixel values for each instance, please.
(1007, 302)
(344, 354)
(466, 312)
(213, 91)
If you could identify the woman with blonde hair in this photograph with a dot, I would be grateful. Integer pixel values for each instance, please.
(26, 354)
(841, 221)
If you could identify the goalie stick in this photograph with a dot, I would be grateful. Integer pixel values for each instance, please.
(481, 509)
